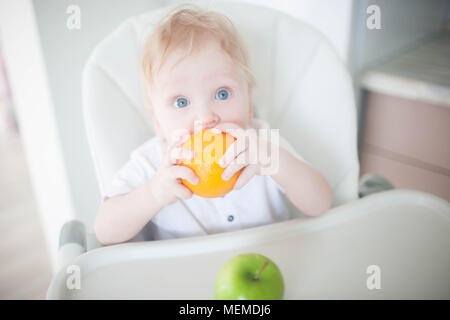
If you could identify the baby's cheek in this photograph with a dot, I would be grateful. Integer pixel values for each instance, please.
(240, 115)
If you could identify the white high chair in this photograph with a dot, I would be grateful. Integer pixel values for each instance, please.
(304, 90)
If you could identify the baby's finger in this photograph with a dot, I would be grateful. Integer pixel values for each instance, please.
(178, 142)
(230, 128)
(168, 160)
(180, 153)
(245, 176)
(237, 164)
(233, 151)
(181, 192)
(185, 173)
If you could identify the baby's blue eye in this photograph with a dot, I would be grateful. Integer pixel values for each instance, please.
(181, 103)
(222, 94)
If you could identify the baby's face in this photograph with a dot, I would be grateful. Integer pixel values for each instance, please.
(205, 88)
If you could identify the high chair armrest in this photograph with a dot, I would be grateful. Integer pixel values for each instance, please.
(72, 242)
(371, 183)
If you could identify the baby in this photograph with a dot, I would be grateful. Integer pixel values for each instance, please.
(196, 71)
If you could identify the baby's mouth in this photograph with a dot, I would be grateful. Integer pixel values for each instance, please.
(198, 125)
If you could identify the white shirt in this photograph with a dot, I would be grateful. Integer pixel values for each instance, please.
(257, 203)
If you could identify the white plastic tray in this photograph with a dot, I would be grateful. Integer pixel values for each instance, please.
(405, 233)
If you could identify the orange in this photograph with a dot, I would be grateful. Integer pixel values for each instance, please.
(208, 149)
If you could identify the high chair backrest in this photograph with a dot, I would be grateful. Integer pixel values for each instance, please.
(303, 88)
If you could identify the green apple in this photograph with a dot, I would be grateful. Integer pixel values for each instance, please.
(249, 276)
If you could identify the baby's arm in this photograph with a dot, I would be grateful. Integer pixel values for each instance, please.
(120, 218)
(304, 186)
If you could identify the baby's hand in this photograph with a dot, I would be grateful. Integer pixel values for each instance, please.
(167, 187)
(239, 155)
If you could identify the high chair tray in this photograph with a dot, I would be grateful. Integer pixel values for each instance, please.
(404, 233)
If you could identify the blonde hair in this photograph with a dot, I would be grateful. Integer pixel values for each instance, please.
(185, 25)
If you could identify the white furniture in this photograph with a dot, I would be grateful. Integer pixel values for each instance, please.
(407, 118)
(305, 91)
(404, 234)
